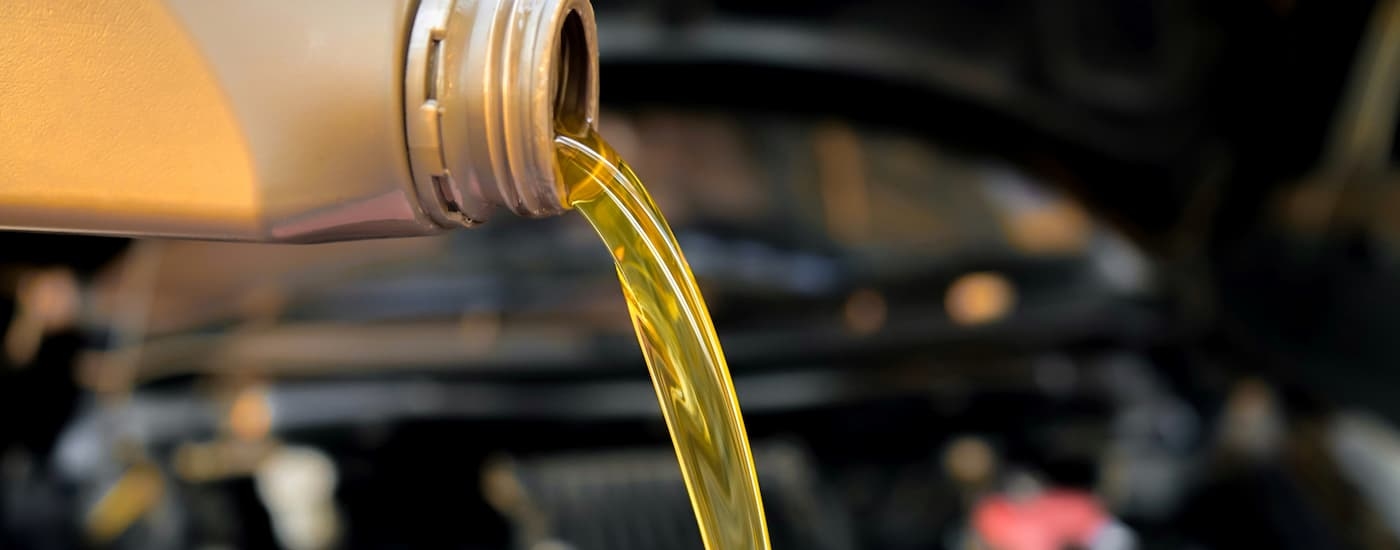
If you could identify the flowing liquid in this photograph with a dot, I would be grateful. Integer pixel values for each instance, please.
(678, 340)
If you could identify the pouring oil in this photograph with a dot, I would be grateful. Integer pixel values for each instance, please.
(677, 338)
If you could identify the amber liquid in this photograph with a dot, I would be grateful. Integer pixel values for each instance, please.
(678, 340)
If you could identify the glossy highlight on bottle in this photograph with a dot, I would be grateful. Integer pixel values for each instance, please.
(688, 368)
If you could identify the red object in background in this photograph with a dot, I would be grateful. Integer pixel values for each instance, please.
(1052, 520)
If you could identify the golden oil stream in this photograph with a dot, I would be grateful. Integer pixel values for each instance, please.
(678, 340)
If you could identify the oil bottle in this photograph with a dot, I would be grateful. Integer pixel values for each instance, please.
(315, 121)
(268, 120)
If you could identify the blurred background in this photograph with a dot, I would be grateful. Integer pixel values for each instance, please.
(991, 274)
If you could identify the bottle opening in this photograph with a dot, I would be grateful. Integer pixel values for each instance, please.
(571, 78)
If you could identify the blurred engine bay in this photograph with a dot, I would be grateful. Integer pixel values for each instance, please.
(957, 251)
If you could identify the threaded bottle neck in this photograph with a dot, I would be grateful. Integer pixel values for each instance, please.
(486, 82)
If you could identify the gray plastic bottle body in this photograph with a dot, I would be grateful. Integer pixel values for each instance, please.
(289, 121)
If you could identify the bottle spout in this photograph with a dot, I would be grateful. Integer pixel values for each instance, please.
(487, 82)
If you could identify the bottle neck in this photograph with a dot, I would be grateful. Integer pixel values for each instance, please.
(487, 81)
